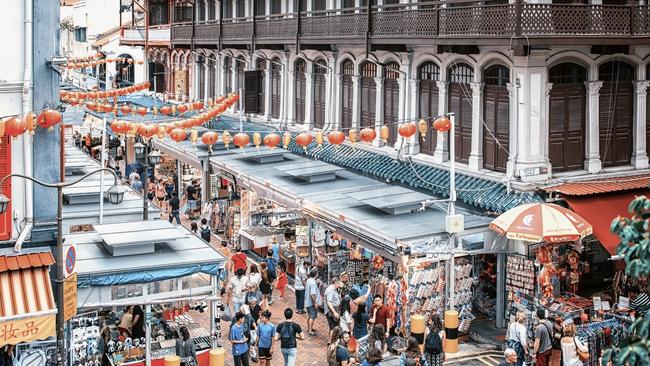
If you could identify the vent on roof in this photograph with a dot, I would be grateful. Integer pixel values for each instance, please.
(267, 156)
(391, 199)
(137, 237)
(311, 171)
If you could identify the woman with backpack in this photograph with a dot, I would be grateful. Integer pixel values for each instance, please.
(206, 231)
(517, 337)
(412, 355)
(434, 339)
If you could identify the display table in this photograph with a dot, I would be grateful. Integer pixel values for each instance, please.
(203, 357)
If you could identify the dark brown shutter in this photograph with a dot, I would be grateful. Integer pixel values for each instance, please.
(647, 121)
(368, 101)
(319, 96)
(227, 74)
(567, 105)
(460, 104)
(212, 79)
(391, 108)
(251, 90)
(496, 130)
(616, 103)
(276, 88)
(300, 87)
(428, 73)
(261, 94)
(346, 101)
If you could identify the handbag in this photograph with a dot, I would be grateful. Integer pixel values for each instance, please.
(583, 356)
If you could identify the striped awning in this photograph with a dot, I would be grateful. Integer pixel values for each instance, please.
(25, 286)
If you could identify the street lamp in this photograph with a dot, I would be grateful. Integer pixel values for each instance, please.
(154, 157)
(115, 195)
(139, 150)
(142, 151)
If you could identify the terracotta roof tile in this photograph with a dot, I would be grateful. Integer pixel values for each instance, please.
(582, 188)
(3, 264)
(24, 261)
(35, 260)
(12, 263)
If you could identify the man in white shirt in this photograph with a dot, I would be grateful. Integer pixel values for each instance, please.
(299, 286)
(237, 290)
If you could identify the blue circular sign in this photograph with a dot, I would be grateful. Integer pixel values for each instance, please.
(70, 259)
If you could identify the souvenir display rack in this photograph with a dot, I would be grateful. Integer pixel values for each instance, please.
(520, 275)
(599, 336)
(85, 332)
(567, 306)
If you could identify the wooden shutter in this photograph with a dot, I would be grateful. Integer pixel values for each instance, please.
(615, 122)
(391, 108)
(276, 86)
(647, 121)
(428, 110)
(368, 101)
(301, 88)
(5, 170)
(346, 101)
(496, 130)
(567, 104)
(319, 98)
(251, 90)
(461, 106)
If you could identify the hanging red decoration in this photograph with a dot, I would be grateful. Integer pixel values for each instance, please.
(182, 108)
(14, 127)
(125, 109)
(197, 105)
(63, 93)
(147, 84)
(148, 130)
(407, 130)
(368, 135)
(241, 139)
(178, 134)
(423, 128)
(142, 111)
(48, 118)
(272, 140)
(92, 95)
(336, 138)
(225, 136)
(91, 105)
(257, 140)
(30, 122)
(165, 110)
(286, 139)
(378, 262)
(442, 124)
(304, 139)
(209, 138)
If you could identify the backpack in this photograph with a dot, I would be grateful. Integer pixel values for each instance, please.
(433, 344)
(270, 268)
(287, 335)
(206, 233)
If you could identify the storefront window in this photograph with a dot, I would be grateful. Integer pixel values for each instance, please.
(163, 286)
(126, 291)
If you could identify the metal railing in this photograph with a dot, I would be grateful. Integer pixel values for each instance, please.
(444, 19)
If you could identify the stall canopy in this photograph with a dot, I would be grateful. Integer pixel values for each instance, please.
(140, 252)
(599, 202)
(379, 215)
(27, 308)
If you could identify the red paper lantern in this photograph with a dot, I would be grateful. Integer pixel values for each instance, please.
(73, 101)
(209, 138)
(148, 131)
(241, 139)
(272, 140)
(304, 139)
(48, 118)
(197, 105)
(336, 138)
(125, 109)
(14, 127)
(92, 95)
(146, 84)
(63, 93)
(142, 111)
(165, 110)
(368, 134)
(182, 108)
(116, 126)
(178, 134)
(407, 130)
(442, 124)
(91, 105)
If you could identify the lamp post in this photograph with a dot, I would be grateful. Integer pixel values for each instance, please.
(151, 158)
(115, 196)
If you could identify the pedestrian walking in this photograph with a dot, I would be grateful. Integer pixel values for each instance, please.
(161, 194)
(412, 355)
(238, 260)
(346, 322)
(380, 315)
(287, 333)
(517, 337)
(374, 357)
(509, 357)
(206, 231)
(332, 303)
(271, 264)
(136, 183)
(265, 286)
(572, 346)
(434, 342)
(543, 340)
(194, 228)
(312, 300)
(254, 279)
(265, 339)
(174, 208)
(239, 341)
(237, 290)
(282, 281)
(299, 286)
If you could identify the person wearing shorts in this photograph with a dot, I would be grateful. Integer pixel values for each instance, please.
(265, 339)
(312, 300)
(161, 194)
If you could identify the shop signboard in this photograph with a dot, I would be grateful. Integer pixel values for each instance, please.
(27, 329)
(70, 296)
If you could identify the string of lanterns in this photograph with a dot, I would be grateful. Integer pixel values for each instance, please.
(15, 126)
(97, 59)
(79, 97)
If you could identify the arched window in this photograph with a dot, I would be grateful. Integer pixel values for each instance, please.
(320, 72)
(261, 93)
(496, 115)
(276, 87)
(460, 102)
(347, 93)
(124, 71)
(616, 109)
(300, 88)
(227, 74)
(391, 99)
(567, 106)
(368, 71)
(428, 74)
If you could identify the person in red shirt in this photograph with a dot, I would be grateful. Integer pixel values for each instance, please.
(380, 314)
(238, 260)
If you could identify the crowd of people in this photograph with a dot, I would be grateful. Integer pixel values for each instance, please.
(357, 334)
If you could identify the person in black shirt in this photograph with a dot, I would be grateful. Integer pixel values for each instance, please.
(287, 332)
(137, 329)
(174, 208)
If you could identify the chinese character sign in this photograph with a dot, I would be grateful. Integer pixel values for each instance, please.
(27, 330)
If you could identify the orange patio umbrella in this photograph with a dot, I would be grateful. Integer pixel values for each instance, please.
(537, 222)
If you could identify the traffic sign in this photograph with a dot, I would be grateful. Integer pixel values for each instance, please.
(70, 297)
(70, 260)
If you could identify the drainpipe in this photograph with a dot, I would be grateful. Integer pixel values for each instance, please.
(27, 107)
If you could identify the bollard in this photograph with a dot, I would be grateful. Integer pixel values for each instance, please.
(417, 329)
(451, 331)
(217, 357)
(172, 361)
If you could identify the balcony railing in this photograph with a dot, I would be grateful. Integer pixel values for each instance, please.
(157, 34)
(422, 21)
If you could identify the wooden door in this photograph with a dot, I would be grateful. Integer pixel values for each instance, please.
(566, 138)
(460, 104)
(428, 104)
(368, 94)
(391, 100)
(347, 94)
(300, 88)
(320, 73)
(202, 81)
(616, 104)
(227, 74)
(5, 170)
(276, 88)
(496, 115)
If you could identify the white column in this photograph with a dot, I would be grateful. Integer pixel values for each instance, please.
(379, 106)
(234, 8)
(309, 99)
(233, 81)
(267, 90)
(291, 95)
(441, 154)
(207, 10)
(476, 153)
(221, 83)
(593, 164)
(331, 104)
(217, 76)
(206, 84)
(545, 131)
(283, 91)
(639, 154)
(512, 128)
(248, 9)
(356, 102)
(413, 112)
